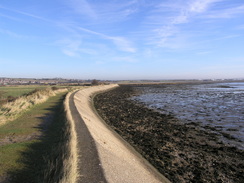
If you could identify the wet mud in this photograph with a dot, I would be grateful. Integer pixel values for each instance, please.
(183, 152)
(210, 105)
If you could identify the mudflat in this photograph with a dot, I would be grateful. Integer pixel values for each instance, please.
(103, 155)
(182, 152)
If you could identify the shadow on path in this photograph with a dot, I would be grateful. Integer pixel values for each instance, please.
(89, 165)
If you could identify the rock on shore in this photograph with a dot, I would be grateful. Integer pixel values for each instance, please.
(182, 152)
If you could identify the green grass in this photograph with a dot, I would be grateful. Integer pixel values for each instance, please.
(13, 109)
(22, 125)
(16, 91)
(10, 154)
(36, 160)
(13, 92)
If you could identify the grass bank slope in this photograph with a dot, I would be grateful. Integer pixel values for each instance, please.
(14, 109)
(35, 147)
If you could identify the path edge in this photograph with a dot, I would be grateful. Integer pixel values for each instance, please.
(144, 162)
(71, 162)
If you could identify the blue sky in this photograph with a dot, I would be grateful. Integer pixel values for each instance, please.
(122, 39)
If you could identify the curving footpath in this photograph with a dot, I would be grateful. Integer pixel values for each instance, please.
(103, 155)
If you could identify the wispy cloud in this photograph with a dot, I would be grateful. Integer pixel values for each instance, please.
(74, 47)
(70, 47)
(122, 43)
(168, 20)
(182, 13)
(83, 7)
(200, 6)
(103, 12)
(117, 11)
(26, 14)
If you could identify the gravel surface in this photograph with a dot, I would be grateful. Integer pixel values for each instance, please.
(116, 161)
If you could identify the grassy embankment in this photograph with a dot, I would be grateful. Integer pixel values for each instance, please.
(35, 138)
(18, 104)
(19, 90)
(10, 93)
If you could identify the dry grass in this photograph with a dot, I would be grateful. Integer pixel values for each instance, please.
(12, 110)
(56, 153)
(71, 161)
(40, 157)
(63, 168)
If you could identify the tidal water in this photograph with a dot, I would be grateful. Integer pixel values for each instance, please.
(218, 106)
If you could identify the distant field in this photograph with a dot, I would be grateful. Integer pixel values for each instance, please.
(10, 93)
(16, 91)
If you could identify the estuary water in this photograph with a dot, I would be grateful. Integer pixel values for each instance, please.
(218, 107)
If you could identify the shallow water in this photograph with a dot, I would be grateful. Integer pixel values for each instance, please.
(218, 106)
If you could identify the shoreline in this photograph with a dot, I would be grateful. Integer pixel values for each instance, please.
(116, 160)
(182, 152)
(216, 107)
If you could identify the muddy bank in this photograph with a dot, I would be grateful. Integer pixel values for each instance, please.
(181, 152)
(215, 106)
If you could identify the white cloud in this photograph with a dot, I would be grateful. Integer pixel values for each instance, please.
(103, 12)
(182, 18)
(83, 7)
(70, 47)
(166, 22)
(204, 52)
(200, 6)
(26, 14)
(122, 43)
(75, 47)
(117, 10)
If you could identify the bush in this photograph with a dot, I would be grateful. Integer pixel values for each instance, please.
(94, 82)
(54, 88)
(11, 98)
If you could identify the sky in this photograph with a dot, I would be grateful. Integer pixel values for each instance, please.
(122, 39)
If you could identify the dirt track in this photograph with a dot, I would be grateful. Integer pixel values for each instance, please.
(88, 165)
(105, 156)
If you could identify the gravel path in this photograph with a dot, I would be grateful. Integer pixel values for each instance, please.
(115, 159)
(89, 164)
